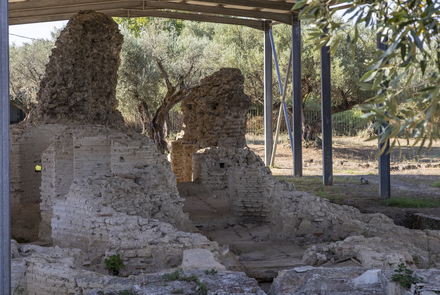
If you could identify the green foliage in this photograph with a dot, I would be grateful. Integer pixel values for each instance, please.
(243, 48)
(114, 264)
(411, 203)
(138, 26)
(26, 69)
(211, 272)
(202, 288)
(178, 274)
(404, 277)
(123, 292)
(18, 290)
(406, 76)
(177, 291)
(140, 77)
(436, 183)
(21, 240)
(174, 276)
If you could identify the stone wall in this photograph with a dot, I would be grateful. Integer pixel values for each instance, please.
(372, 239)
(249, 192)
(54, 271)
(126, 172)
(240, 171)
(78, 87)
(80, 79)
(57, 176)
(143, 243)
(181, 160)
(27, 145)
(211, 149)
(214, 114)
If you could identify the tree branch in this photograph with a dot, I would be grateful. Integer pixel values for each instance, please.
(165, 74)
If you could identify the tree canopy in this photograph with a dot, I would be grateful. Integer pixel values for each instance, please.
(405, 75)
(158, 68)
(26, 68)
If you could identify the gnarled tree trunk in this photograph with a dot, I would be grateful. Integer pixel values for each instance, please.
(158, 127)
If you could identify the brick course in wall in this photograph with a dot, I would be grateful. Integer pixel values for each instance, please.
(214, 114)
(27, 145)
(126, 172)
(243, 173)
(211, 148)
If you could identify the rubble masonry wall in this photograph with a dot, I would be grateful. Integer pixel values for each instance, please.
(81, 76)
(214, 114)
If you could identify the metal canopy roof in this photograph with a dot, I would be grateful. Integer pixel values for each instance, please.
(252, 13)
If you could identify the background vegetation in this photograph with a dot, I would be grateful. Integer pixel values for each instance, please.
(161, 60)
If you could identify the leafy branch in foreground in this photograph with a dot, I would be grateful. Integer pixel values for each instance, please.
(405, 75)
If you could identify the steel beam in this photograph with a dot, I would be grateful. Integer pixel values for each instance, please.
(384, 158)
(5, 224)
(283, 110)
(268, 113)
(297, 98)
(326, 117)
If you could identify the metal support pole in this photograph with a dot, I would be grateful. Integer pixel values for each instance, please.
(275, 59)
(5, 224)
(384, 159)
(326, 117)
(283, 107)
(297, 98)
(268, 113)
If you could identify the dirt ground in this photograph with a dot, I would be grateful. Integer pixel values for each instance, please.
(413, 175)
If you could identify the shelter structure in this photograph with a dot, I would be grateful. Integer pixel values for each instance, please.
(257, 14)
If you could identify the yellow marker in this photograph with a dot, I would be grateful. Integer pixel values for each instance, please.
(38, 168)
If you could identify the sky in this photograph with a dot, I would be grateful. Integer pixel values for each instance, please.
(39, 30)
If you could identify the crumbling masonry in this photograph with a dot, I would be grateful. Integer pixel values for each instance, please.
(211, 149)
(104, 190)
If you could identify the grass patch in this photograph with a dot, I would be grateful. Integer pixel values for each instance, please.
(353, 172)
(436, 184)
(411, 203)
(313, 184)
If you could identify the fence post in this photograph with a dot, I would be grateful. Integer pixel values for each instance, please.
(297, 98)
(268, 112)
(5, 203)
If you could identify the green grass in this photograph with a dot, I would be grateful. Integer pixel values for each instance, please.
(411, 203)
(436, 184)
(353, 172)
(314, 185)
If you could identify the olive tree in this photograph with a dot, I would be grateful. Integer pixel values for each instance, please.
(408, 68)
(157, 71)
(27, 65)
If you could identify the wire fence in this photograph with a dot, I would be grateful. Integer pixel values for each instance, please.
(346, 123)
(176, 121)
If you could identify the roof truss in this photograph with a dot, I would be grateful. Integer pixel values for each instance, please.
(252, 13)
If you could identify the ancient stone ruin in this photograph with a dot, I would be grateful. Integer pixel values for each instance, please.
(79, 83)
(104, 191)
(211, 149)
(214, 115)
